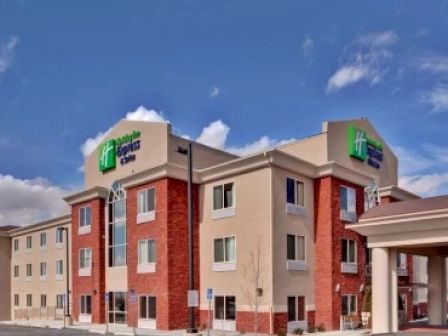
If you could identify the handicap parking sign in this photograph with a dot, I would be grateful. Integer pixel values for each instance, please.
(209, 293)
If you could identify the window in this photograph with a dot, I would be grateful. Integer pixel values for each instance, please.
(401, 261)
(43, 301)
(43, 269)
(59, 268)
(85, 258)
(224, 249)
(29, 242)
(223, 196)
(348, 305)
(85, 216)
(29, 300)
(295, 247)
(16, 271)
(117, 307)
(225, 308)
(117, 227)
(296, 308)
(348, 251)
(16, 300)
(147, 307)
(59, 301)
(86, 304)
(16, 245)
(146, 251)
(368, 256)
(295, 192)
(347, 204)
(43, 239)
(59, 236)
(29, 270)
(146, 201)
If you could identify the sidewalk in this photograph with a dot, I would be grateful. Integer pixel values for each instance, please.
(125, 330)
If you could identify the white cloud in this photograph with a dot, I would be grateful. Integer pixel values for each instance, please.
(425, 184)
(7, 52)
(437, 98)
(215, 92)
(431, 62)
(308, 47)
(140, 114)
(214, 135)
(24, 202)
(365, 59)
(410, 162)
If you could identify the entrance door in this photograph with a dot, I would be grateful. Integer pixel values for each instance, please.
(118, 307)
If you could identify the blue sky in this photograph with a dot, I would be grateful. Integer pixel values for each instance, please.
(252, 73)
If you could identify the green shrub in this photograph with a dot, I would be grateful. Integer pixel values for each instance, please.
(298, 331)
(367, 301)
(320, 327)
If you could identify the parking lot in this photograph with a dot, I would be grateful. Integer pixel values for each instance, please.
(33, 331)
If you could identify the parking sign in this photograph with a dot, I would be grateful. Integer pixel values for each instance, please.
(106, 296)
(209, 293)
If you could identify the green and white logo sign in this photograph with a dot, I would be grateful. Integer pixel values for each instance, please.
(363, 148)
(107, 155)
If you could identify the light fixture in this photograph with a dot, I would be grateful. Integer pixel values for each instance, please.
(361, 288)
(337, 288)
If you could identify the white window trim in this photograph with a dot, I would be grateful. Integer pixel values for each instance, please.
(356, 303)
(28, 249)
(84, 229)
(43, 277)
(61, 275)
(348, 266)
(153, 320)
(224, 266)
(43, 247)
(14, 251)
(348, 215)
(297, 264)
(229, 325)
(224, 212)
(147, 216)
(85, 271)
(149, 267)
(294, 208)
(84, 318)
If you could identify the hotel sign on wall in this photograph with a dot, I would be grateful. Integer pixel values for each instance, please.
(121, 148)
(364, 148)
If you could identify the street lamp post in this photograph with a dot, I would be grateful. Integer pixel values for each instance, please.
(191, 318)
(67, 317)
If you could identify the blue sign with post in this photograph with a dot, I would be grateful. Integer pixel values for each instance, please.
(106, 296)
(209, 293)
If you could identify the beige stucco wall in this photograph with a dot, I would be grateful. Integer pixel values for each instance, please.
(5, 280)
(251, 225)
(50, 286)
(292, 283)
(313, 149)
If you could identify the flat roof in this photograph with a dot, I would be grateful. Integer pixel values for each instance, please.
(407, 207)
(8, 227)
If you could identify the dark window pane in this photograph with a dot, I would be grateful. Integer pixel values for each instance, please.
(343, 197)
(143, 305)
(219, 250)
(219, 308)
(352, 251)
(291, 308)
(119, 233)
(152, 307)
(151, 199)
(290, 196)
(291, 248)
(228, 195)
(352, 304)
(88, 304)
(344, 250)
(120, 209)
(301, 308)
(217, 198)
(344, 305)
(230, 308)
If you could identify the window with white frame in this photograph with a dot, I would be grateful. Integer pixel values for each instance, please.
(85, 216)
(29, 270)
(223, 196)
(86, 304)
(16, 271)
(59, 301)
(16, 300)
(295, 247)
(16, 245)
(296, 308)
(347, 197)
(146, 201)
(43, 239)
(59, 236)
(348, 305)
(29, 300)
(29, 242)
(85, 258)
(146, 251)
(401, 261)
(59, 268)
(225, 308)
(117, 238)
(147, 307)
(224, 250)
(43, 269)
(348, 251)
(43, 301)
(295, 192)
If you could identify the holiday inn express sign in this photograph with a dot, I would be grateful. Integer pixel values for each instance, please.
(363, 148)
(122, 147)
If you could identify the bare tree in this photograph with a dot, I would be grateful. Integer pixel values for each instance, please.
(253, 284)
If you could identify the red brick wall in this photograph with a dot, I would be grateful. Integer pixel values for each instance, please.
(95, 284)
(280, 322)
(170, 230)
(245, 322)
(329, 230)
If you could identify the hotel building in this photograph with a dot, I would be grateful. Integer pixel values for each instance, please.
(269, 234)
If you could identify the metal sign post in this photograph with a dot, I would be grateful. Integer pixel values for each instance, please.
(209, 298)
(133, 300)
(106, 301)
